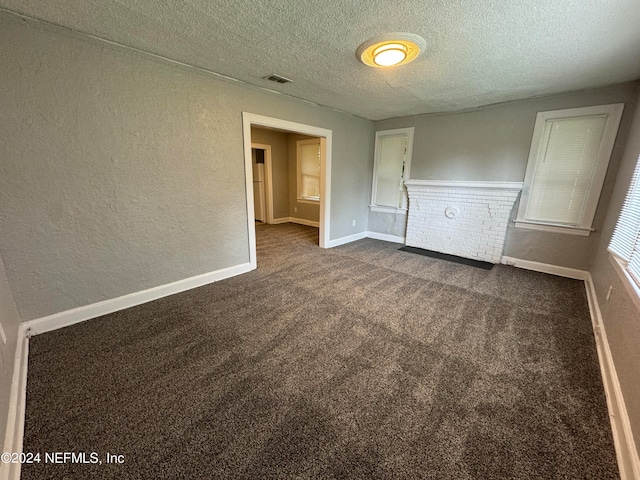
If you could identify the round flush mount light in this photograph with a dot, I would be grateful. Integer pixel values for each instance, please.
(391, 49)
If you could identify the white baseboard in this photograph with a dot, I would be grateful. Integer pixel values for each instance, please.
(386, 237)
(626, 451)
(304, 221)
(348, 239)
(546, 268)
(80, 314)
(17, 401)
(15, 422)
(359, 236)
(301, 221)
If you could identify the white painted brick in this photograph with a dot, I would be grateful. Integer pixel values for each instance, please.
(478, 231)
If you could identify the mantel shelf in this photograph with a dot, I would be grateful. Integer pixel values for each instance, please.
(465, 184)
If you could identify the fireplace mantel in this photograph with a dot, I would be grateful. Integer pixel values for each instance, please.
(466, 184)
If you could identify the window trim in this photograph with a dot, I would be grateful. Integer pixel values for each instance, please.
(624, 246)
(614, 115)
(378, 208)
(553, 228)
(630, 285)
(299, 197)
(407, 169)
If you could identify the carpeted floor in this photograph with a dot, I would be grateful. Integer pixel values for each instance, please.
(358, 362)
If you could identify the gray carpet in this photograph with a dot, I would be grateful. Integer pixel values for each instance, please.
(359, 362)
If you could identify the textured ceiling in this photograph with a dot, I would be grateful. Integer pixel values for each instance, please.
(478, 52)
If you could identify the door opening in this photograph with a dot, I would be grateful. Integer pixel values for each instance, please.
(254, 207)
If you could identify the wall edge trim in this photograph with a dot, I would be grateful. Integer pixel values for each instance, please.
(304, 221)
(87, 312)
(545, 268)
(14, 433)
(348, 239)
(463, 184)
(626, 450)
(300, 221)
(386, 237)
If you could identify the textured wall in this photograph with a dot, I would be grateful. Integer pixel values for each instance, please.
(121, 172)
(10, 322)
(279, 142)
(620, 314)
(390, 223)
(493, 144)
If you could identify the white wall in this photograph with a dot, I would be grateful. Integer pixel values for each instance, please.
(121, 172)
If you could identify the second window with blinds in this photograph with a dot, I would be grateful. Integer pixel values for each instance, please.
(568, 161)
(391, 167)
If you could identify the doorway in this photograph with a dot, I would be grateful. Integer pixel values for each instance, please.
(325, 135)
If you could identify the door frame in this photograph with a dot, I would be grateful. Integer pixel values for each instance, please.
(326, 138)
(268, 179)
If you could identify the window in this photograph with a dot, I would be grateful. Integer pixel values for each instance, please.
(625, 242)
(568, 160)
(309, 170)
(392, 162)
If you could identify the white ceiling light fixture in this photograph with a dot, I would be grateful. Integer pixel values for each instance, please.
(391, 49)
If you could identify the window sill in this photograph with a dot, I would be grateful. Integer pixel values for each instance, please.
(544, 227)
(308, 200)
(629, 284)
(377, 208)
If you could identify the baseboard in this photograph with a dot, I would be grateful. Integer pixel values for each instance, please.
(546, 268)
(304, 221)
(300, 221)
(626, 451)
(17, 401)
(359, 236)
(386, 237)
(80, 314)
(348, 239)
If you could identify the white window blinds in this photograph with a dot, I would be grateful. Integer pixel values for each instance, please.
(564, 169)
(309, 169)
(625, 242)
(568, 160)
(389, 189)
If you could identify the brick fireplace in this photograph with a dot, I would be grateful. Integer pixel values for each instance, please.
(467, 219)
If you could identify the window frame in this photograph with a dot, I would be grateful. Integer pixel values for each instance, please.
(406, 173)
(299, 197)
(613, 113)
(628, 216)
(629, 283)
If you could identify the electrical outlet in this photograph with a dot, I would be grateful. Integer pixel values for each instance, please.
(2, 335)
(295, 209)
(609, 292)
(354, 223)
